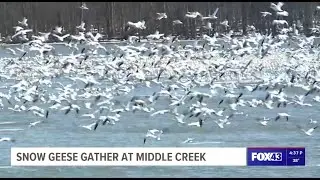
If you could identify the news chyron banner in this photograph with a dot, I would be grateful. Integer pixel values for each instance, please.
(258, 156)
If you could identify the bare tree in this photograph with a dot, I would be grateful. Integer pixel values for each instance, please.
(111, 18)
(244, 18)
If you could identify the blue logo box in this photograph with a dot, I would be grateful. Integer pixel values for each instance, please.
(276, 156)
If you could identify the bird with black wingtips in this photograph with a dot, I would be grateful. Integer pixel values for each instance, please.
(309, 131)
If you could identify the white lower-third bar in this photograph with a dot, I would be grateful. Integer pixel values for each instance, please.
(128, 156)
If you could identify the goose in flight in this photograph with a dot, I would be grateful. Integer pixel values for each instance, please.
(277, 7)
(61, 38)
(57, 30)
(212, 16)
(43, 36)
(263, 121)
(161, 16)
(308, 132)
(156, 35)
(22, 32)
(78, 37)
(282, 22)
(34, 123)
(91, 127)
(137, 25)
(189, 140)
(23, 22)
(283, 13)
(264, 14)
(208, 26)
(313, 121)
(176, 22)
(94, 38)
(282, 115)
(193, 15)
(160, 112)
(153, 133)
(81, 26)
(6, 139)
(225, 23)
(84, 6)
(17, 28)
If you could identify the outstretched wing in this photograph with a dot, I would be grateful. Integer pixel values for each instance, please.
(215, 12)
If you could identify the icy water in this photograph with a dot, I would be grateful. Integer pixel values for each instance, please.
(63, 131)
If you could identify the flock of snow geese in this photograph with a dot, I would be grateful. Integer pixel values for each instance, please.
(204, 84)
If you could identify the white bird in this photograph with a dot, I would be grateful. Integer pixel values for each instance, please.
(189, 140)
(193, 15)
(313, 121)
(264, 122)
(114, 118)
(283, 13)
(180, 118)
(23, 22)
(88, 105)
(268, 104)
(90, 126)
(160, 112)
(308, 132)
(137, 25)
(55, 106)
(36, 113)
(79, 37)
(318, 8)
(36, 108)
(161, 16)
(81, 26)
(96, 37)
(176, 22)
(45, 36)
(39, 38)
(34, 123)
(214, 15)
(224, 23)
(22, 32)
(6, 139)
(233, 106)
(156, 35)
(282, 22)
(61, 38)
(197, 123)
(222, 122)
(208, 26)
(84, 6)
(89, 115)
(219, 113)
(282, 115)
(264, 14)
(277, 7)
(106, 119)
(57, 30)
(316, 98)
(153, 133)
(17, 28)
(13, 52)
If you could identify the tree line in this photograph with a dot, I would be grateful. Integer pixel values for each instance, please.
(110, 18)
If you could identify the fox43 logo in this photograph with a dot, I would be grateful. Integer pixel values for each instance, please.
(266, 156)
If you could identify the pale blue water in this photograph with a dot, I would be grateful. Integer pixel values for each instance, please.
(62, 131)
